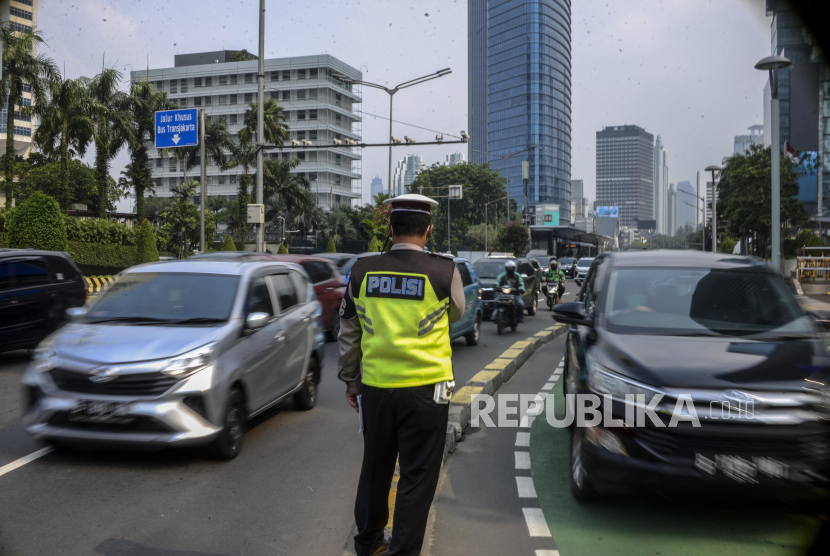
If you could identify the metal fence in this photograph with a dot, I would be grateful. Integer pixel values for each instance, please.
(813, 266)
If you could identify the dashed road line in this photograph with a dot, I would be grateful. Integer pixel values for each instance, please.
(547, 386)
(40, 453)
(537, 526)
(522, 460)
(526, 488)
(523, 439)
(547, 553)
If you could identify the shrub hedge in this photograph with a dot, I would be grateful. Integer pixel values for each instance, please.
(228, 244)
(38, 223)
(95, 254)
(331, 248)
(146, 250)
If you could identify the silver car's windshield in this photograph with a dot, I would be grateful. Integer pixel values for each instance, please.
(686, 301)
(149, 298)
(584, 263)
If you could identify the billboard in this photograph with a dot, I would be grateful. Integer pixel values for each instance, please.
(646, 225)
(611, 212)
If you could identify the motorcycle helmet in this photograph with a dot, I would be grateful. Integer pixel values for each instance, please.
(554, 264)
(510, 267)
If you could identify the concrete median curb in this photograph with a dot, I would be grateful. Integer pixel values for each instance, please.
(490, 379)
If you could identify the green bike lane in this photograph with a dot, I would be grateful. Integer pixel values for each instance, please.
(651, 525)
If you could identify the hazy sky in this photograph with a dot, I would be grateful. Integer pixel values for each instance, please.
(682, 69)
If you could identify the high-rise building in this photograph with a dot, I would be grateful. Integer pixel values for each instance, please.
(755, 137)
(455, 158)
(318, 108)
(661, 187)
(376, 187)
(405, 173)
(688, 205)
(519, 81)
(803, 94)
(625, 172)
(671, 210)
(704, 188)
(21, 15)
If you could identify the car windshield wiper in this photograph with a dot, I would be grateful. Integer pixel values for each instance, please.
(138, 320)
(196, 320)
(781, 336)
(690, 334)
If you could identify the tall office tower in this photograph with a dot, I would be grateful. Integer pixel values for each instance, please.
(671, 210)
(625, 172)
(803, 92)
(519, 80)
(318, 108)
(688, 205)
(577, 199)
(405, 173)
(704, 189)
(661, 186)
(454, 158)
(755, 137)
(21, 15)
(376, 187)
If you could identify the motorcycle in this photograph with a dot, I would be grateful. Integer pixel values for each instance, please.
(505, 311)
(552, 294)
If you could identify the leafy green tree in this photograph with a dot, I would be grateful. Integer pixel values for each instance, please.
(243, 154)
(80, 184)
(154, 206)
(477, 237)
(21, 67)
(66, 129)
(513, 238)
(146, 249)
(331, 247)
(744, 195)
(113, 126)
(181, 219)
(310, 219)
(374, 246)
(228, 244)
(481, 184)
(242, 56)
(38, 223)
(143, 102)
(289, 189)
(727, 245)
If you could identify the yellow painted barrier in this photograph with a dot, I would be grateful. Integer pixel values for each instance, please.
(98, 284)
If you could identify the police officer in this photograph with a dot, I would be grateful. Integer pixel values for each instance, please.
(395, 320)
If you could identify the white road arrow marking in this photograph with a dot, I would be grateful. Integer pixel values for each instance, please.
(176, 139)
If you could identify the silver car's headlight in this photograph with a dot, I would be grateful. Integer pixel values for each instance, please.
(191, 362)
(604, 381)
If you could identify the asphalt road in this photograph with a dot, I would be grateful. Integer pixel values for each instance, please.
(291, 491)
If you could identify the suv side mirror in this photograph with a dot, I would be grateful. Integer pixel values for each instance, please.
(255, 321)
(571, 312)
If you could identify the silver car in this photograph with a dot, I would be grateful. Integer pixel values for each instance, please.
(582, 266)
(178, 354)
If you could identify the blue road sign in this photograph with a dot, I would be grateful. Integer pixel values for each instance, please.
(177, 128)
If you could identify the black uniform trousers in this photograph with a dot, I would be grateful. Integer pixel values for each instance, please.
(405, 422)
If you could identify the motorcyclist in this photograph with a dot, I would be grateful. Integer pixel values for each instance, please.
(555, 276)
(514, 280)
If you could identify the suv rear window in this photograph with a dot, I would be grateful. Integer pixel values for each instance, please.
(64, 269)
(30, 272)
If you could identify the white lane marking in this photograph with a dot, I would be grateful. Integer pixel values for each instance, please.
(522, 460)
(547, 553)
(536, 524)
(547, 386)
(26, 459)
(527, 421)
(523, 439)
(525, 486)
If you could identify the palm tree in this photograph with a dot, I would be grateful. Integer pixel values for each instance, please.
(217, 141)
(66, 127)
(114, 127)
(21, 67)
(243, 154)
(144, 102)
(290, 189)
(276, 130)
(336, 224)
(310, 219)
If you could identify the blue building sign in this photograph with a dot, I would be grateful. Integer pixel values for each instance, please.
(177, 128)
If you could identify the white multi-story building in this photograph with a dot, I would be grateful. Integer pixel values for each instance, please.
(21, 15)
(755, 137)
(318, 107)
(704, 184)
(455, 158)
(661, 187)
(406, 171)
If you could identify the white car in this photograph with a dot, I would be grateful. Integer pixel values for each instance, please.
(582, 266)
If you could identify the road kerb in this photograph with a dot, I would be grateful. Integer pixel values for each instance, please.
(496, 373)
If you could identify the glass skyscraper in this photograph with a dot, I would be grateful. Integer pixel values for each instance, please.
(519, 60)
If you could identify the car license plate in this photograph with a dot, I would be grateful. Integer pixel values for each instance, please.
(742, 469)
(100, 411)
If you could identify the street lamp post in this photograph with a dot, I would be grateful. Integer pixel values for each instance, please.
(260, 129)
(391, 92)
(714, 168)
(506, 158)
(773, 64)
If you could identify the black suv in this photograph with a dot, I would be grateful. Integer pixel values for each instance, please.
(721, 332)
(36, 288)
(489, 268)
